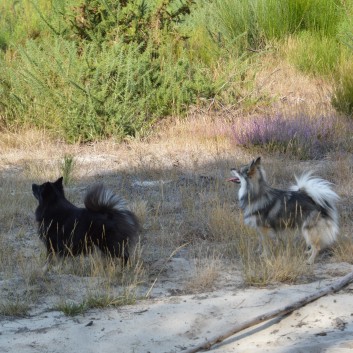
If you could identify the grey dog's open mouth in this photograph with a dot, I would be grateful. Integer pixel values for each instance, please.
(234, 180)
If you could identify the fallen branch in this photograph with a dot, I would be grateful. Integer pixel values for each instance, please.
(334, 287)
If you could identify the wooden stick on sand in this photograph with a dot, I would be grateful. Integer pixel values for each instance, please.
(334, 287)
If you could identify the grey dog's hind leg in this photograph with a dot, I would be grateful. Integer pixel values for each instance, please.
(310, 235)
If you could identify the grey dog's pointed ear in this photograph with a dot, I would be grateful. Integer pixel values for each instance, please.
(257, 161)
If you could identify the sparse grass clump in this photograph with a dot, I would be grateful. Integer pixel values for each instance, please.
(281, 268)
(71, 308)
(67, 168)
(343, 250)
(224, 226)
(102, 282)
(95, 301)
(206, 272)
(283, 261)
(17, 307)
(96, 265)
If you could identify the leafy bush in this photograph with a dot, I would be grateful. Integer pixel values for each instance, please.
(141, 22)
(114, 90)
(106, 74)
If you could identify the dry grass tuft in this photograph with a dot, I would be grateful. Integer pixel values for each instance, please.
(283, 261)
(343, 250)
(14, 307)
(206, 272)
(140, 208)
(223, 222)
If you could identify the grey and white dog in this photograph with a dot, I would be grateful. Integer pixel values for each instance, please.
(310, 205)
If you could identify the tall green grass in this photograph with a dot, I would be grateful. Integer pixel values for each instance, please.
(255, 23)
(238, 24)
(277, 19)
(313, 53)
(309, 33)
(342, 98)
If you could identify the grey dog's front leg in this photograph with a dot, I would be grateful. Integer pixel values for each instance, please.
(267, 237)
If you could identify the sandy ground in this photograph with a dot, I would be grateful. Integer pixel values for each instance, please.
(176, 323)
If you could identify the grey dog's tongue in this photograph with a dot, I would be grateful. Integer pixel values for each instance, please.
(234, 180)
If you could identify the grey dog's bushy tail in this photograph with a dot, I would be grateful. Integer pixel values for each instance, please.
(320, 191)
(101, 199)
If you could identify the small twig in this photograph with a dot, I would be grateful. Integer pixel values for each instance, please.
(164, 265)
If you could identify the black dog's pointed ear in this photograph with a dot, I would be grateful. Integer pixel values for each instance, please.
(58, 185)
(59, 182)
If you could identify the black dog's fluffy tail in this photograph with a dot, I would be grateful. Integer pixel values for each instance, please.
(101, 199)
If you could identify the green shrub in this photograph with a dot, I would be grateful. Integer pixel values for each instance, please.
(116, 68)
(115, 90)
(31, 19)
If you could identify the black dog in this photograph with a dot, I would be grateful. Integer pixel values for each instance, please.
(69, 230)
